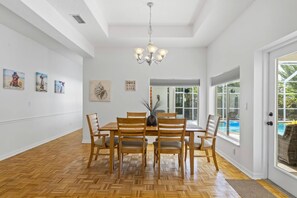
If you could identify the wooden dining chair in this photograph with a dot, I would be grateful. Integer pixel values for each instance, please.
(171, 133)
(136, 114)
(207, 141)
(98, 141)
(166, 115)
(131, 132)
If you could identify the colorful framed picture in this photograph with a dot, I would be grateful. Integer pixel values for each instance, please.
(13, 79)
(59, 86)
(41, 82)
(99, 90)
(130, 85)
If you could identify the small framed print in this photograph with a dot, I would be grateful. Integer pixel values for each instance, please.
(41, 82)
(59, 86)
(13, 79)
(130, 85)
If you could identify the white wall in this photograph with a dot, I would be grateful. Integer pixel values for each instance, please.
(119, 64)
(262, 23)
(29, 118)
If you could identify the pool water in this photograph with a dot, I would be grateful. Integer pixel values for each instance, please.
(281, 127)
(234, 126)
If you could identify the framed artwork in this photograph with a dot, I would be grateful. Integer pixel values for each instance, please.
(41, 82)
(130, 85)
(13, 79)
(59, 86)
(100, 90)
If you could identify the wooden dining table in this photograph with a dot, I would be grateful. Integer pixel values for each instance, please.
(150, 131)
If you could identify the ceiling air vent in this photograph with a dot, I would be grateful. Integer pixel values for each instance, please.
(78, 19)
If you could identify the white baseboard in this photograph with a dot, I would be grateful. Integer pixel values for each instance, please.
(246, 171)
(86, 141)
(23, 149)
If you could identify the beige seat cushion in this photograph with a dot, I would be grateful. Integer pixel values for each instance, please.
(168, 145)
(99, 142)
(197, 143)
(136, 144)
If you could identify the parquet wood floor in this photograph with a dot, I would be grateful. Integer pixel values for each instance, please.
(59, 169)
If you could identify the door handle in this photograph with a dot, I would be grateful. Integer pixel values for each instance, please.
(270, 123)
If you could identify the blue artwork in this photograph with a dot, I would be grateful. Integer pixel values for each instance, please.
(59, 86)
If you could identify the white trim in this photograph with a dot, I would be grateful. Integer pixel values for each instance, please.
(86, 141)
(229, 139)
(2, 122)
(240, 166)
(25, 148)
(260, 98)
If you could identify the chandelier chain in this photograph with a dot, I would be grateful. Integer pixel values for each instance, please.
(150, 30)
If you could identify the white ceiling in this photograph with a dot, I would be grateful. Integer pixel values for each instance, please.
(123, 23)
(136, 12)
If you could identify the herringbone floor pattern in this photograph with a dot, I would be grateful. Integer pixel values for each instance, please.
(58, 169)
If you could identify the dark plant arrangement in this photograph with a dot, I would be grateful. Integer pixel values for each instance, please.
(152, 109)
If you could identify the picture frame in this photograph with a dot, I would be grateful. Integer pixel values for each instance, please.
(100, 91)
(13, 79)
(59, 86)
(41, 82)
(130, 85)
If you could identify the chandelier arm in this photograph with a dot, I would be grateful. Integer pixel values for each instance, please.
(157, 61)
(140, 61)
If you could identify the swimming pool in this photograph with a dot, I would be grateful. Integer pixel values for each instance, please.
(234, 126)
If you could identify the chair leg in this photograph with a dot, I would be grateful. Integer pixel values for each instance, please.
(120, 164)
(207, 155)
(186, 151)
(97, 153)
(91, 156)
(182, 166)
(145, 156)
(179, 158)
(118, 150)
(159, 164)
(143, 162)
(155, 156)
(215, 159)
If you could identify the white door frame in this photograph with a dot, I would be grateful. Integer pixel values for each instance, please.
(260, 108)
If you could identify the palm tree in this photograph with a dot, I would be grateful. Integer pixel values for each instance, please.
(285, 71)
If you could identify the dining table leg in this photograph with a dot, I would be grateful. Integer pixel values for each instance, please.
(111, 152)
(192, 153)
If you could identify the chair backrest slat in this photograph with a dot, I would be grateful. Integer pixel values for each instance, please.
(136, 114)
(166, 115)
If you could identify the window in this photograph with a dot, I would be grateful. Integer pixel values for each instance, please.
(186, 103)
(184, 100)
(287, 94)
(227, 107)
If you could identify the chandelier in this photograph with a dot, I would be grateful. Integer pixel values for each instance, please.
(150, 55)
